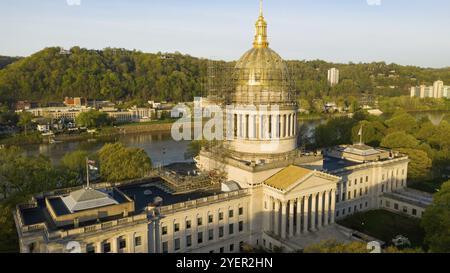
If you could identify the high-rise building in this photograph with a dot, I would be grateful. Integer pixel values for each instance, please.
(437, 91)
(333, 76)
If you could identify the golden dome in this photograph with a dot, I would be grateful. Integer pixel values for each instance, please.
(261, 75)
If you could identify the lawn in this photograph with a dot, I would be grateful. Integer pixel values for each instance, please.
(386, 225)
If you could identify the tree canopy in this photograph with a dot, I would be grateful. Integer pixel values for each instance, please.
(118, 162)
(436, 221)
(93, 119)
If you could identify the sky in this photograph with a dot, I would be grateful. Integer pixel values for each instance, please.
(408, 32)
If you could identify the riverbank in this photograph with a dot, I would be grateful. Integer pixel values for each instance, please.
(105, 132)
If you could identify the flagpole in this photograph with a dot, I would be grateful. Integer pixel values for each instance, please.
(87, 172)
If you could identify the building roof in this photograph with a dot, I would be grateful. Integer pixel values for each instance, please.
(361, 149)
(288, 176)
(87, 198)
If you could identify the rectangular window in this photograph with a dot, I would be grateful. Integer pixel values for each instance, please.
(230, 213)
(414, 212)
(164, 230)
(355, 193)
(165, 247)
(176, 244)
(361, 180)
(106, 247)
(210, 234)
(210, 219)
(231, 247)
(230, 229)
(222, 250)
(367, 179)
(90, 248)
(200, 237)
(199, 221)
(343, 196)
(122, 243)
(241, 226)
(220, 216)
(396, 206)
(138, 241)
(188, 224)
(360, 192)
(349, 195)
(241, 211)
(176, 227)
(189, 241)
(221, 232)
(366, 190)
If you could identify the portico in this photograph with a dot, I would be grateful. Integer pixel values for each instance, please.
(298, 201)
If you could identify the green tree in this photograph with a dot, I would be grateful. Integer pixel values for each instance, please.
(335, 132)
(402, 122)
(75, 161)
(118, 162)
(372, 132)
(420, 166)
(25, 120)
(92, 119)
(436, 221)
(399, 140)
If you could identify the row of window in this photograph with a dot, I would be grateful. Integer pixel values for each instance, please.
(361, 180)
(396, 207)
(176, 226)
(106, 246)
(200, 237)
(351, 210)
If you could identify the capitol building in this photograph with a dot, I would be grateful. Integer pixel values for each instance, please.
(272, 196)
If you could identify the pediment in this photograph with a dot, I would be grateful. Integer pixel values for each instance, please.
(312, 182)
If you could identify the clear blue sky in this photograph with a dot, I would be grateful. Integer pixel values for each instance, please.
(414, 32)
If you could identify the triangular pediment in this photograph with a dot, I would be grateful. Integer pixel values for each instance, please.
(311, 182)
(294, 178)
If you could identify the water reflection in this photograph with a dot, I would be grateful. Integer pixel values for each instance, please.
(161, 148)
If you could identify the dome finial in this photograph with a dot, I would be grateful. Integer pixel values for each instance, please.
(261, 30)
(260, 7)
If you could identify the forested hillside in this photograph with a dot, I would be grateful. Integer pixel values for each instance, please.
(118, 74)
(4, 61)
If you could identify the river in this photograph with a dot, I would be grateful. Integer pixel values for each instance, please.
(161, 148)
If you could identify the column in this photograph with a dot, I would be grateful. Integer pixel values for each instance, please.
(274, 126)
(239, 126)
(276, 218)
(260, 126)
(305, 213)
(283, 220)
(313, 212)
(299, 216)
(98, 247)
(333, 206)
(114, 248)
(320, 211)
(267, 214)
(283, 126)
(291, 218)
(327, 208)
(294, 124)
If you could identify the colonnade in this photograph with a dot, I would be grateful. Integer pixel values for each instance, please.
(263, 126)
(289, 218)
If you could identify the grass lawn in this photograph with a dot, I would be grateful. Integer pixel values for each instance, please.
(386, 225)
